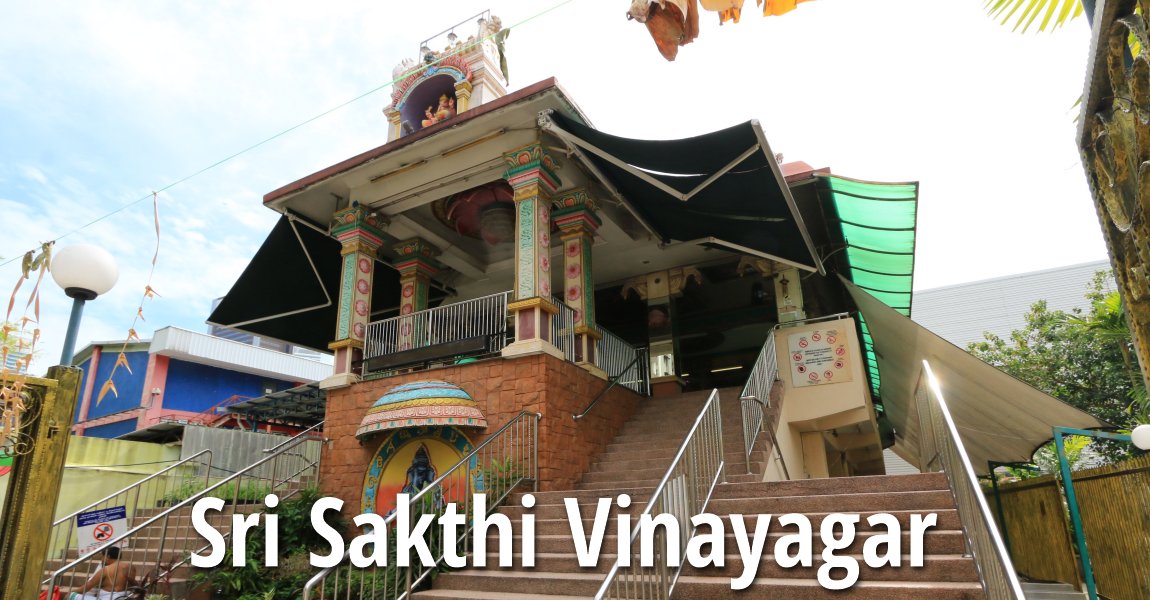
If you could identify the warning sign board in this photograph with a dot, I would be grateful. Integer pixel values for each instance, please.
(819, 357)
(96, 528)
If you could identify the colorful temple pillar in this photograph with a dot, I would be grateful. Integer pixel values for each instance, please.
(416, 265)
(574, 214)
(531, 173)
(360, 230)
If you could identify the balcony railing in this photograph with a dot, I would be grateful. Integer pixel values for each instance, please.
(471, 327)
(482, 327)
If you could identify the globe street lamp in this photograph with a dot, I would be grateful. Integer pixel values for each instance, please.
(1141, 437)
(84, 271)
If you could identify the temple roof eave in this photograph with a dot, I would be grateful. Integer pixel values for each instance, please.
(547, 93)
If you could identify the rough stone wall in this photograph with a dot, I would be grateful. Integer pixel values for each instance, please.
(502, 388)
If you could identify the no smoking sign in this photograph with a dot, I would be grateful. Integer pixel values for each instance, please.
(819, 357)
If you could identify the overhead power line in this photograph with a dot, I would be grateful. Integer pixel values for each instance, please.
(269, 139)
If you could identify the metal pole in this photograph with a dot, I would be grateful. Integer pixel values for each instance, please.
(73, 329)
(1072, 497)
(998, 505)
(1075, 516)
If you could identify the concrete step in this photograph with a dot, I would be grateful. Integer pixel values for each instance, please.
(585, 497)
(634, 463)
(536, 583)
(652, 442)
(1052, 591)
(934, 568)
(438, 594)
(719, 588)
(625, 477)
(607, 488)
(836, 485)
(947, 521)
(921, 501)
(935, 543)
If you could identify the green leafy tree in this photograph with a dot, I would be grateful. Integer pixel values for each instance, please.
(1084, 359)
(1024, 13)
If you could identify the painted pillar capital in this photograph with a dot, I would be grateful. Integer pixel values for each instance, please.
(416, 264)
(531, 171)
(358, 224)
(416, 255)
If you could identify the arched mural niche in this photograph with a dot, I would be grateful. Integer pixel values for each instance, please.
(409, 459)
(420, 424)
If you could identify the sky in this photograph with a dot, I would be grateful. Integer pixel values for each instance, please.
(102, 103)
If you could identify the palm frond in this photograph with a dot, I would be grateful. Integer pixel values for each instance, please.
(1055, 13)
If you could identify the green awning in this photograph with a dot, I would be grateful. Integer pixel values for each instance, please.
(878, 227)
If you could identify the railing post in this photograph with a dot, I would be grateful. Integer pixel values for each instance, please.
(1075, 515)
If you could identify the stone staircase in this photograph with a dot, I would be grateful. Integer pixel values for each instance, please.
(143, 549)
(634, 465)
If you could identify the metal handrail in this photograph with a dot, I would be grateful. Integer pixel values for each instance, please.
(945, 449)
(611, 349)
(683, 492)
(611, 381)
(563, 329)
(317, 426)
(54, 551)
(398, 583)
(182, 555)
(756, 395)
(754, 411)
(834, 317)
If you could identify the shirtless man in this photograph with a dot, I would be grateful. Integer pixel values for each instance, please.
(113, 578)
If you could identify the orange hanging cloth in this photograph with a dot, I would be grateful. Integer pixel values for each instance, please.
(671, 23)
(729, 10)
(777, 7)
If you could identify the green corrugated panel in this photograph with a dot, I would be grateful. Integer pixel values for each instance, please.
(878, 223)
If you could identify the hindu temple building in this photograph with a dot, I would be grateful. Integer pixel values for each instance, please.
(500, 256)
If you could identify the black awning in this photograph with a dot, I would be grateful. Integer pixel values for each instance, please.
(722, 189)
(290, 289)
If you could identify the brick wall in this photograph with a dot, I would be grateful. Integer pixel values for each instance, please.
(502, 388)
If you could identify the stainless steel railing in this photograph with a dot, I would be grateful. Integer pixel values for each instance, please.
(623, 362)
(148, 493)
(682, 493)
(485, 316)
(563, 329)
(756, 396)
(942, 450)
(165, 541)
(507, 458)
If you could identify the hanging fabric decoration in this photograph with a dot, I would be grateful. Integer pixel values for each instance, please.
(671, 23)
(674, 23)
(149, 293)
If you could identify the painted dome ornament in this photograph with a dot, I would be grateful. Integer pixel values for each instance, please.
(421, 404)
